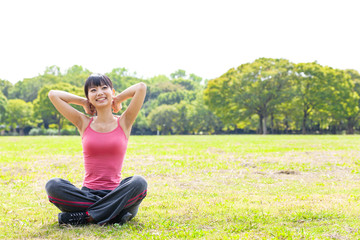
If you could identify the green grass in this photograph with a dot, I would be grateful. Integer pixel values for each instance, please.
(200, 187)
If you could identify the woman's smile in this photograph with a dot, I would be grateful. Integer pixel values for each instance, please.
(101, 99)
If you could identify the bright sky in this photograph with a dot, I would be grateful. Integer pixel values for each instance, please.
(153, 37)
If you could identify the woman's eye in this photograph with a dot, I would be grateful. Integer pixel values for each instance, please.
(92, 90)
(104, 87)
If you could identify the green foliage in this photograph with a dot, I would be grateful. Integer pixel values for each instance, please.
(344, 101)
(183, 122)
(163, 119)
(52, 132)
(5, 87)
(252, 88)
(19, 114)
(185, 83)
(44, 109)
(122, 79)
(141, 125)
(178, 74)
(162, 87)
(195, 78)
(28, 88)
(76, 76)
(157, 79)
(3, 107)
(201, 119)
(313, 89)
(117, 76)
(171, 98)
(265, 95)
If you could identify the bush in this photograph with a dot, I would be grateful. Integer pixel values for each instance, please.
(69, 132)
(51, 132)
(37, 131)
(41, 131)
(12, 134)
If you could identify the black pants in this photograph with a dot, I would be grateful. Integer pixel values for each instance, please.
(104, 206)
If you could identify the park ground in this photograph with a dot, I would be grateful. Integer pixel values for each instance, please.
(200, 187)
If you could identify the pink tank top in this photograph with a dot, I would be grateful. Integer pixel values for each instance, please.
(104, 154)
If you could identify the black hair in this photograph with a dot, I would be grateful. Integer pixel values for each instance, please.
(96, 80)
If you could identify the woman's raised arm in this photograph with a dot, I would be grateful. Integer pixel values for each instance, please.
(61, 100)
(137, 92)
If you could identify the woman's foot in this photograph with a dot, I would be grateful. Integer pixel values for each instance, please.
(74, 218)
(126, 218)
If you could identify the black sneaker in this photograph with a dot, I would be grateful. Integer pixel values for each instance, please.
(73, 218)
(127, 217)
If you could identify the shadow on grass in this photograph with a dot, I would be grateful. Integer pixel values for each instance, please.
(90, 231)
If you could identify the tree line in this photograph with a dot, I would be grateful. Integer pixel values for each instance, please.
(265, 96)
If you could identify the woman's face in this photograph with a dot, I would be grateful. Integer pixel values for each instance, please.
(100, 96)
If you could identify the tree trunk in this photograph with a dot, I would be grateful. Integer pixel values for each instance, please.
(46, 124)
(261, 124)
(304, 122)
(350, 126)
(264, 125)
(59, 124)
(286, 124)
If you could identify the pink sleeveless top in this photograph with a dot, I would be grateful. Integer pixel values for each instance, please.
(104, 154)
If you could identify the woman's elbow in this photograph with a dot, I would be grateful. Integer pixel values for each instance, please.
(51, 93)
(142, 86)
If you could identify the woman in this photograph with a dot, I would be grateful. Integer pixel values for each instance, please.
(104, 197)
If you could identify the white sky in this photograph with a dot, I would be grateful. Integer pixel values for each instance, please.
(153, 37)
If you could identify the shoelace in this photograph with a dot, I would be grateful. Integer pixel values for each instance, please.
(77, 217)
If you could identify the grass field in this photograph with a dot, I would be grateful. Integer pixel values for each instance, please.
(200, 187)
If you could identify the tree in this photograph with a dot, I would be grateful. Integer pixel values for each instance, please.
(252, 88)
(170, 98)
(163, 119)
(141, 125)
(53, 70)
(313, 89)
(355, 79)
(201, 119)
(157, 79)
(5, 87)
(44, 109)
(19, 114)
(185, 83)
(156, 89)
(76, 75)
(344, 100)
(178, 74)
(117, 76)
(183, 121)
(195, 78)
(28, 88)
(3, 107)
(122, 79)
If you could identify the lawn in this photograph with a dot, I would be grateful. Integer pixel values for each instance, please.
(200, 187)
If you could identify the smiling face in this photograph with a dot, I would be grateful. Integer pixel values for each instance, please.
(98, 90)
(101, 96)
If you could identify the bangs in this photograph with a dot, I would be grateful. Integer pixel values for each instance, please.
(96, 80)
